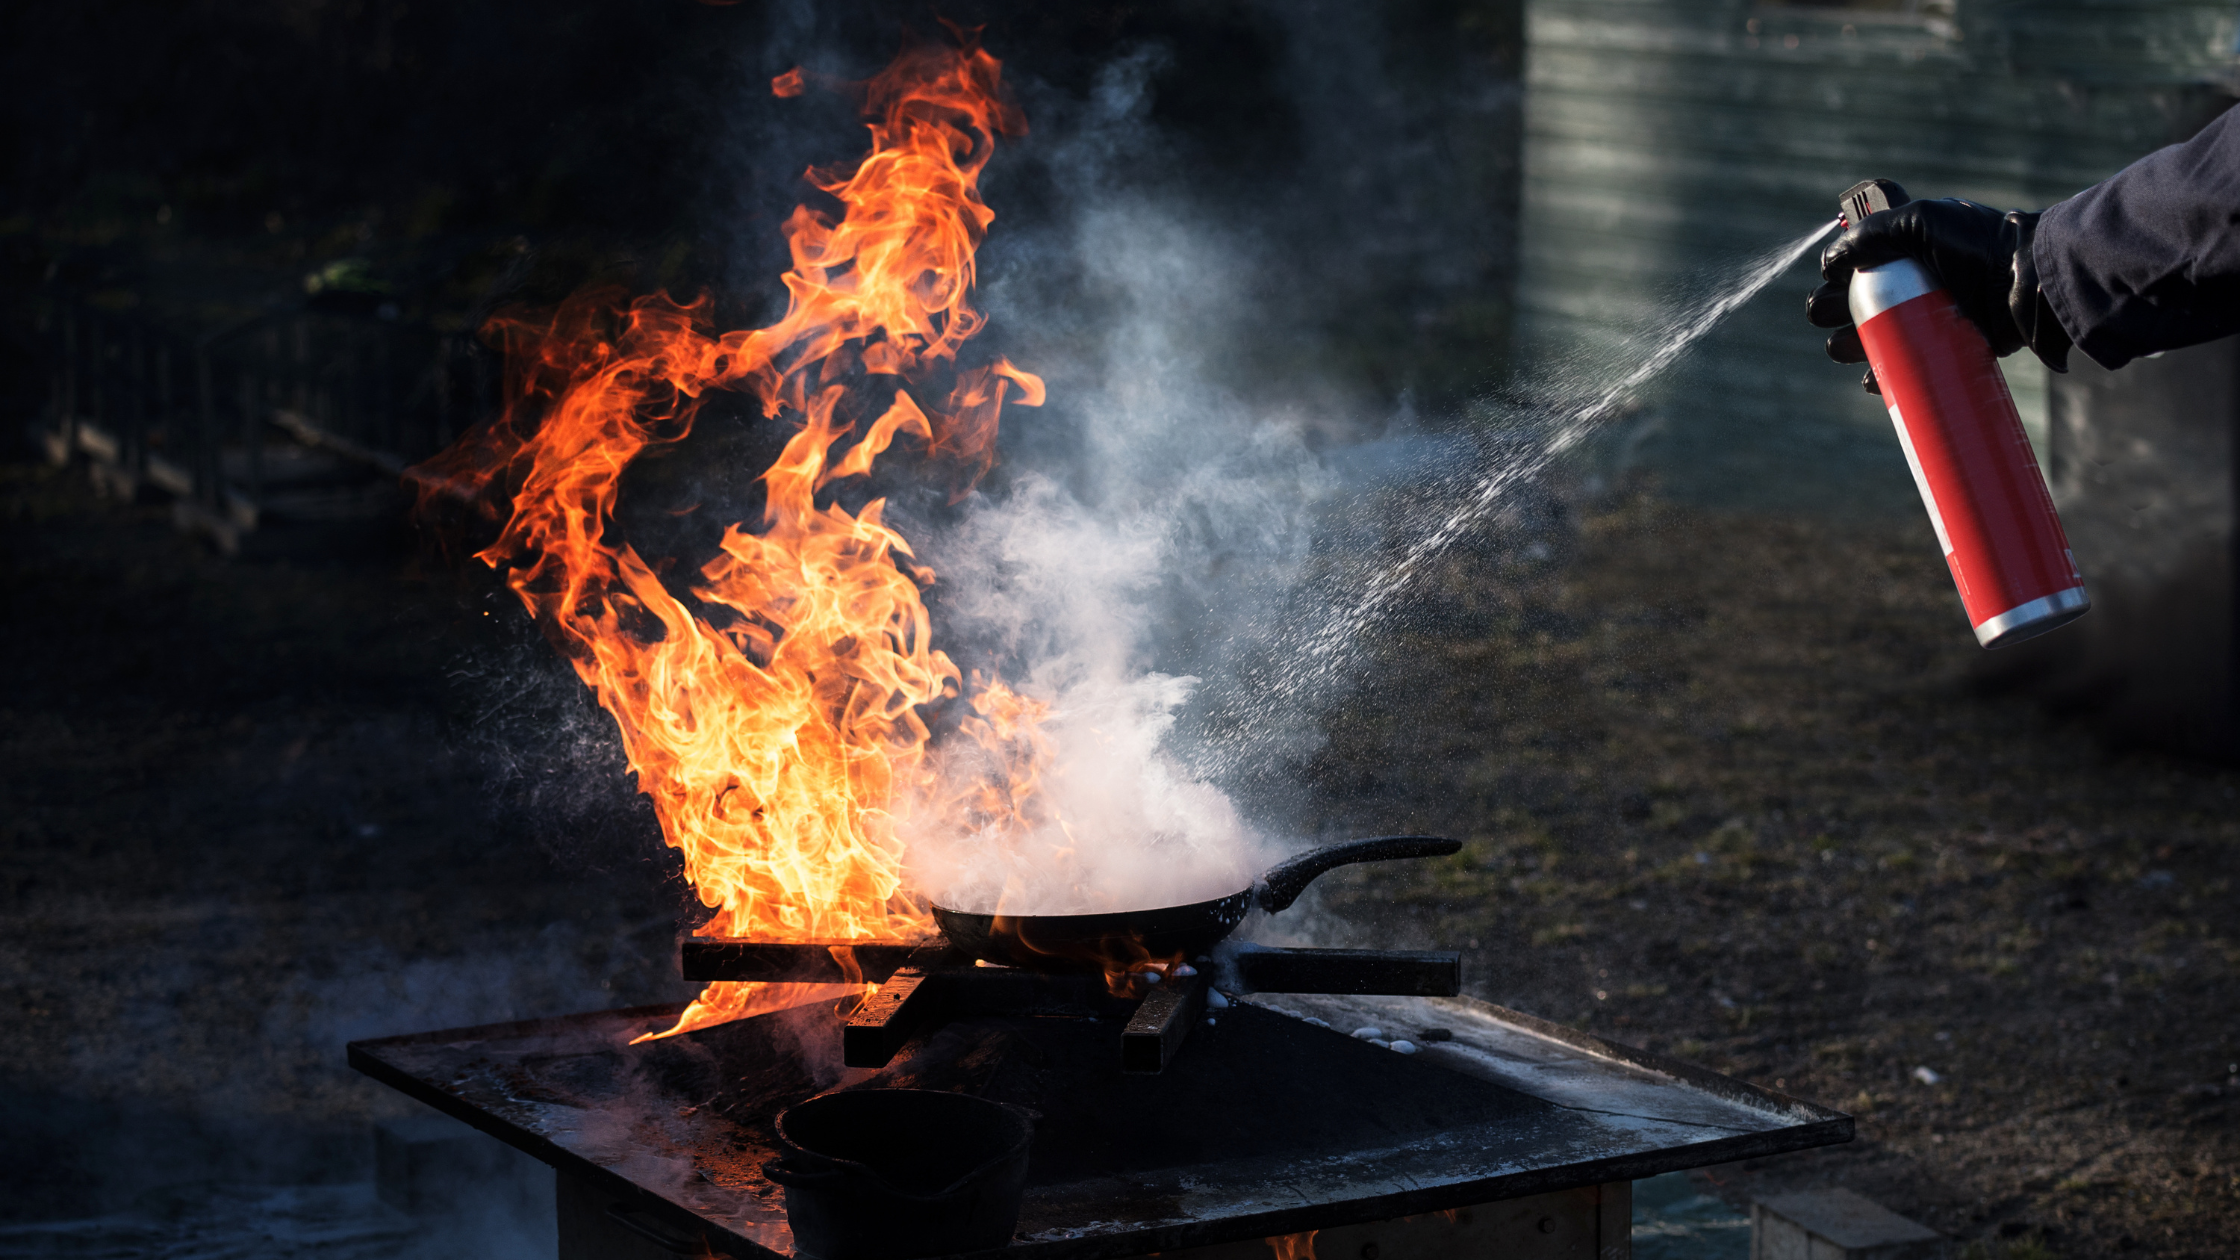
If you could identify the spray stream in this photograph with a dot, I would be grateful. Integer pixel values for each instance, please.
(1332, 643)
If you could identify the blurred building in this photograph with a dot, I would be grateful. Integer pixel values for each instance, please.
(1663, 137)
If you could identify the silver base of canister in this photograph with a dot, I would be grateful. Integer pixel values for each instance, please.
(2027, 621)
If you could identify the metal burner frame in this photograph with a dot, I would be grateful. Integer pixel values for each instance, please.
(1277, 1123)
(925, 985)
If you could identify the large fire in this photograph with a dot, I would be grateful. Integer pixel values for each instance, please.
(778, 727)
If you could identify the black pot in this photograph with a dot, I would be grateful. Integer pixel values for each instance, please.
(891, 1174)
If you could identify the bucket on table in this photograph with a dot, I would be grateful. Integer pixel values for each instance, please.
(891, 1174)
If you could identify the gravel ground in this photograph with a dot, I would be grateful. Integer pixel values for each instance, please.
(1727, 788)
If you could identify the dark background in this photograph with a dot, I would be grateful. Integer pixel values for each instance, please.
(195, 159)
(1727, 788)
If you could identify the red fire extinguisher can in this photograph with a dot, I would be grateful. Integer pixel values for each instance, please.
(1964, 441)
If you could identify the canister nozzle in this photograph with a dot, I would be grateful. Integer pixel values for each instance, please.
(1868, 196)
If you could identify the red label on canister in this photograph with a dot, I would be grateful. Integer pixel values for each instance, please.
(1969, 455)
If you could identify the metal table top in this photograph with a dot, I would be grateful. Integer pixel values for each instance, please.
(1268, 1122)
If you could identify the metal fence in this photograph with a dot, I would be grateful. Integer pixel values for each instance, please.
(296, 417)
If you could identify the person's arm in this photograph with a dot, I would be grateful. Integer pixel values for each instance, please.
(2149, 260)
(2145, 261)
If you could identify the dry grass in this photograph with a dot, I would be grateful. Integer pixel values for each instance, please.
(1728, 793)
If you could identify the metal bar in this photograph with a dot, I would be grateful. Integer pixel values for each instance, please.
(133, 438)
(385, 393)
(442, 379)
(73, 353)
(910, 998)
(62, 437)
(252, 426)
(1150, 1040)
(66, 406)
(344, 388)
(205, 463)
(1400, 973)
(298, 395)
(97, 366)
(165, 397)
(704, 958)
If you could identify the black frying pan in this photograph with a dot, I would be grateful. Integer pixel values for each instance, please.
(1107, 942)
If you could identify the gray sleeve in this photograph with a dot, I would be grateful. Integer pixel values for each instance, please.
(2149, 259)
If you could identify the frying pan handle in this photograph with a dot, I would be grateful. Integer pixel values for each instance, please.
(1281, 886)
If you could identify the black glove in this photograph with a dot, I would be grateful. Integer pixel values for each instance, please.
(1980, 256)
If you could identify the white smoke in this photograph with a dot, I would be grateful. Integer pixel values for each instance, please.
(1172, 543)
(1180, 516)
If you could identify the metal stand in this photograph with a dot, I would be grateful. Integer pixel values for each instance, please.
(598, 1222)
(925, 985)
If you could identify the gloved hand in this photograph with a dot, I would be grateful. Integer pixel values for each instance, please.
(1980, 256)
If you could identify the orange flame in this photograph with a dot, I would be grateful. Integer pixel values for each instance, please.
(1129, 967)
(1130, 970)
(1293, 1246)
(778, 729)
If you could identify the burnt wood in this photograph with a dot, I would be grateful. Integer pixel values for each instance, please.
(1160, 1023)
(1397, 972)
(883, 1021)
